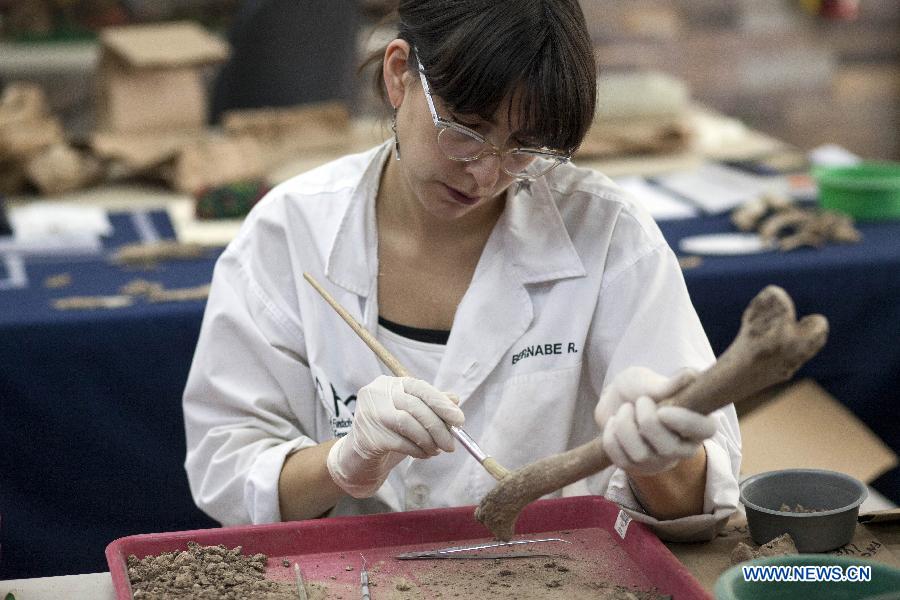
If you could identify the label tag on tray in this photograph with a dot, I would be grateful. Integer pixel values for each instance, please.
(622, 522)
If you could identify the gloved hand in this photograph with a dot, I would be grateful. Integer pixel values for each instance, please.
(641, 437)
(395, 417)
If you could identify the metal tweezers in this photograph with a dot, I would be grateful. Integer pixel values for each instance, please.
(469, 555)
(465, 552)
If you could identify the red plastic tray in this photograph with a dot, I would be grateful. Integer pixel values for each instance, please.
(325, 548)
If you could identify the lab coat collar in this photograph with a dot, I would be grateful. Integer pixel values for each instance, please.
(352, 262)
(535, 239)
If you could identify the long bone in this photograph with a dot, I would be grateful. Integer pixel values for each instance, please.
(769, 348)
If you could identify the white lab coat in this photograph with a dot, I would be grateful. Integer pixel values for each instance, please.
(574, 284)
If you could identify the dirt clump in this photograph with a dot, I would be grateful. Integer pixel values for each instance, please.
(799, 508)
(783, 545)
(204, 572)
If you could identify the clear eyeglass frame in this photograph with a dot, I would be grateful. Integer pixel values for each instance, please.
(481, 146)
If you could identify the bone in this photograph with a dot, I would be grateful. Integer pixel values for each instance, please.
(749, 215)
(769, 348)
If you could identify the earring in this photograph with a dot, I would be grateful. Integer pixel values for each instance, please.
(394, 129)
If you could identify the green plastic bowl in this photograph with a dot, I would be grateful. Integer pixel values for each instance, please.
(885, 582)
(869, 191)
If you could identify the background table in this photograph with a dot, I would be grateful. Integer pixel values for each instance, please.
(91, 433)
(856, 286)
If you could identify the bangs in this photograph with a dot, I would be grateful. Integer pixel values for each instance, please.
(536, 63)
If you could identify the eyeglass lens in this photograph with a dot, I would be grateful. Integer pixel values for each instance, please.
(458, 145)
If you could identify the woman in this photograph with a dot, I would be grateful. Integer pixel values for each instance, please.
(536, 292)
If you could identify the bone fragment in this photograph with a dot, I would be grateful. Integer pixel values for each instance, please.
(769, 348)
(748, 216)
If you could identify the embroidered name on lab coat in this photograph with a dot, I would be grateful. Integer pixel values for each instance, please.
(543, 350)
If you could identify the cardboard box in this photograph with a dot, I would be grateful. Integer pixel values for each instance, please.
(149, 76)
(138, 154)
(216, 160)
(321, 125)
(805, 427)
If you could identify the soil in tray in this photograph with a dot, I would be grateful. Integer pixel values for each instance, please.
(522, 579)
(204, 572)
(591, 566)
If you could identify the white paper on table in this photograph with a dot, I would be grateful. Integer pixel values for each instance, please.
(832, 155)
(661, 205)
(42, 220)
(716, 188)
(52, 245)
(724, 244)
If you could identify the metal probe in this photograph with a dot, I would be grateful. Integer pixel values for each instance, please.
(301, 587)
(364, 579)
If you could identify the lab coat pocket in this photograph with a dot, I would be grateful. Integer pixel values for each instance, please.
(530, 416)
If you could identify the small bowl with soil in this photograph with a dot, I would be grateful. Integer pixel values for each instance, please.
(817, 508)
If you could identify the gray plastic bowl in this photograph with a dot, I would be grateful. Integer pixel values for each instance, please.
(838, 495)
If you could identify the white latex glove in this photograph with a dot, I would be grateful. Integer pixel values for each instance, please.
(395, 417)
(641, 437)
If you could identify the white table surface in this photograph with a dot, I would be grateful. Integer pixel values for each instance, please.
(92, 586)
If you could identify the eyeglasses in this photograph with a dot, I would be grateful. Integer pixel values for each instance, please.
(462, 144)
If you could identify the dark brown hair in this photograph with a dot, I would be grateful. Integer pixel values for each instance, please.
(477, 52)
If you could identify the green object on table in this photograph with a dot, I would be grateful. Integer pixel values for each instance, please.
(10, 596)
(885, 581)
(229, 201)
(869, 191)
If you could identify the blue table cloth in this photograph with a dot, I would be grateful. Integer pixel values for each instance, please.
(91, 434)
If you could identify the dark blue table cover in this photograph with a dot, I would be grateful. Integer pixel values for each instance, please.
(91, 434)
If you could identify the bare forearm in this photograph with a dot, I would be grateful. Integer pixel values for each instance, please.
(675, 493)
(305, 489)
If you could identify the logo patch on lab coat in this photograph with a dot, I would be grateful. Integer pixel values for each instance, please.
(341, 427)
(341, 409)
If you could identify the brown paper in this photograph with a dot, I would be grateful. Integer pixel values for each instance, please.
(215, 161)
(891, 515)
(61, 168)
(20, 140)
(622, 137)
(139, 152)
(708, 560)
(329, 117)
(805, 427)
(22, 102)
(286, 133)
